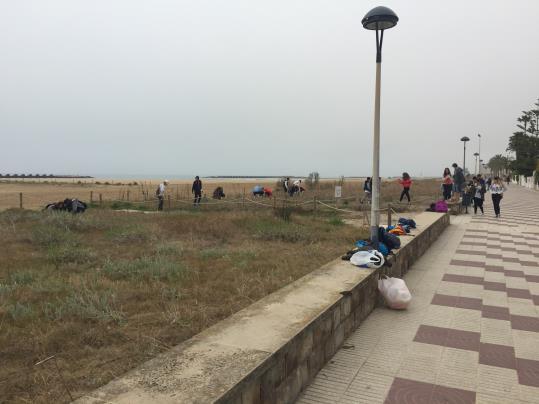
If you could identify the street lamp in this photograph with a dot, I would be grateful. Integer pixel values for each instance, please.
(479, 151)
(464, 139)
(378, 19)
(480, 165)
(476, 156)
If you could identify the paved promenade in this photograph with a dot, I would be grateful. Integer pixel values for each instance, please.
(471, 334)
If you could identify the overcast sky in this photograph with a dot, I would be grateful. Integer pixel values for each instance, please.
(249, 87)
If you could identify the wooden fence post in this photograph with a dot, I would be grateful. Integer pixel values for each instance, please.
(127, 195)
(91, 196)
(20, 200)
(243, 198)
(314, 205)
(177, 191)
(274, 203)
(169, 201)
(101, 199)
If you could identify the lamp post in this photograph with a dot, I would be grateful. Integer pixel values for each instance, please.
(464, 139)
(479, 151)
(378, 19)
(481, 165)
(476, 157)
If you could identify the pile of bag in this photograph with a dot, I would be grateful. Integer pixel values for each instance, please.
(68, 205)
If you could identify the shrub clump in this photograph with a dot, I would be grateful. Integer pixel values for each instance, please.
(145, 268)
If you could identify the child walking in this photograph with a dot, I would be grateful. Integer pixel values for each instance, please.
(406, 183)
(496, 189)
(478, 196)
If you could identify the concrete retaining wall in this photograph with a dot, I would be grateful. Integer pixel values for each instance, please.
(270, 351)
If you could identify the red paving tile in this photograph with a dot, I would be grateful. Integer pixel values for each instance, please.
(404, 391)
(532, 278)
(465, 263)
(494, 286)
(449, 395)
(475, 280)
(469, 303)
(525, 323)
(462, 339)
(518, 293)
(528, 372)
(429, 334)
(495, 312)
(494, 268)
(497, 355)
(444, 300)
(514, 273)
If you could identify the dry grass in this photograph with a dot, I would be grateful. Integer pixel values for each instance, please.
(104, 291)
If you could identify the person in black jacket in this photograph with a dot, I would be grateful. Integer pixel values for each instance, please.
(197, 190)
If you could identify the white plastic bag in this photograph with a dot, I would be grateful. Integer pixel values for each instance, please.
(395, 292)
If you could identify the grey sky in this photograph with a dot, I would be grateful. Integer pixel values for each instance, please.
(249, 87)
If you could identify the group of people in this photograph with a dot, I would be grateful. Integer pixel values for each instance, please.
(472, 191)
(196, 189)
(295, 188)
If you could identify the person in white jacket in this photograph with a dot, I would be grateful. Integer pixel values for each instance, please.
(160, 193)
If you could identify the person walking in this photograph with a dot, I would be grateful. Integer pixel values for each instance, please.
(447, 183)
(406, 183)
(458, 180)
(197, 190)
(367, 189)
(286, 185)
(478, 192)
(497, 189)
(160, 193)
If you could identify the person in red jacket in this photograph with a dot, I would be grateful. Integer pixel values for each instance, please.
(406, 183)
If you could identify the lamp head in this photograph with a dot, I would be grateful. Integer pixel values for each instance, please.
(476, 154)
(380, 18)
(465, 139)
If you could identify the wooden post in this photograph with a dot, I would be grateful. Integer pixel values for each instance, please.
(243, 198)
(169, 201)
(314, 205)
(274, 203)
(177, 191)
(91, 196)
(20, 200)
(389, 214)
(128, 195)
(101, 199)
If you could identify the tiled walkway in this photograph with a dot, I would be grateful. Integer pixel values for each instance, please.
(471, 334)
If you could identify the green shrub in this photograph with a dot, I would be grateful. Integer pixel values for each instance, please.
(130, 234)
(69, 254)
(22, 278)
(85, 304)
(145, 268)
(212, 253)
(20, 311)
(336, 221)
(280, 231)
(46, 235)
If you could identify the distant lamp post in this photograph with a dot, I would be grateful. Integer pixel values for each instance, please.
(464, 139)
(481, 166)
(378, 19)
(476, 157)
(479, 151)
